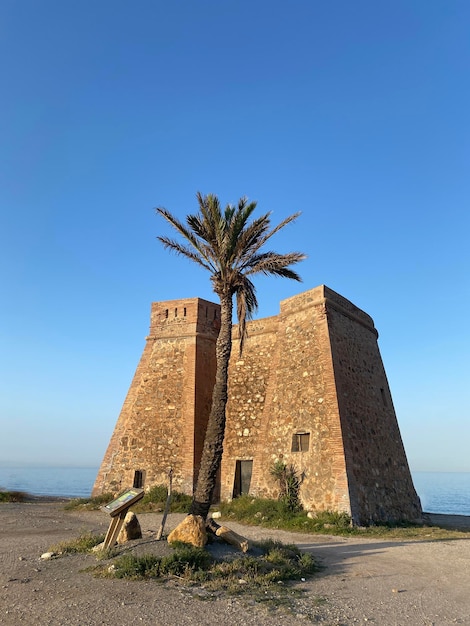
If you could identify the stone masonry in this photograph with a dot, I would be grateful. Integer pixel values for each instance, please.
(310, 389)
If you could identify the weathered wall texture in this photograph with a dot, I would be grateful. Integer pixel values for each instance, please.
(164, 416)
(310, 389)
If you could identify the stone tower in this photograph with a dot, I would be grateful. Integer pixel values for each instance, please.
(310, 390)
(164, 416)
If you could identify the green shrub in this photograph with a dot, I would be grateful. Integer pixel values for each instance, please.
(180, 502)
(184, 561)
(155, 499)
(90, 504)
(289, 484)
(257, 511)
(248, 573)
(12, 496)
(83, 543)
(277, 514)
(326, 520)
(129, 566)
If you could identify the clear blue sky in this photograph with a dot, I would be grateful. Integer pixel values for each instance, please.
(355, 113)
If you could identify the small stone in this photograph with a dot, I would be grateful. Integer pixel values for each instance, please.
(47, 556)
(216, 515)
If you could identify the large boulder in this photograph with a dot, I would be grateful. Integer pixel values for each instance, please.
(191, 530)
(131, 528)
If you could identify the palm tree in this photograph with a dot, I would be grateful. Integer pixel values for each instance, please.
(229, 246)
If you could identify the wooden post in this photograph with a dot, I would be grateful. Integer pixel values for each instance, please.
(167, 505)
(113, 531)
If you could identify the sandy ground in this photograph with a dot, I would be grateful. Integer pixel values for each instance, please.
(388, 583)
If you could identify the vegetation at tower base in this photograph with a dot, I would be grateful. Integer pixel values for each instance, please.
(230, 247)
(289, 484)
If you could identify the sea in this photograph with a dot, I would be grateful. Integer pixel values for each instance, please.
(440, 492)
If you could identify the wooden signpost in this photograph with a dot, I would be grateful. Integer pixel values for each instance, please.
(167, 505)
(118, 509)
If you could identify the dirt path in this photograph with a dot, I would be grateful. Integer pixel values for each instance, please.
(388, 583)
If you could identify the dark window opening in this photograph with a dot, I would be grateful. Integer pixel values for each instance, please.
(300, 442)
(176, 312)
(166, 313)
(139, 478)
(241, 484)
(184, 312)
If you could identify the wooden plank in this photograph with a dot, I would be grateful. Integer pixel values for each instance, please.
(114, 528)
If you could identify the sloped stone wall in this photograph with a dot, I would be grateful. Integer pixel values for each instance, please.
(380, 481)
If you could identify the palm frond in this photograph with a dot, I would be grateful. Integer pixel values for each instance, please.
(216, 220)
(238, 228)
(247, 243)
(179, 226)
(208, 224)
(275, 264)
(178, 248)
(205, 242)
(261, 241)
(197, 242)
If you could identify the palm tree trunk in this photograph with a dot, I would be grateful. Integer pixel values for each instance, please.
(214, 439)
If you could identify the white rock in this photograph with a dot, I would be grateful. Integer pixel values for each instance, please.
(98, 547)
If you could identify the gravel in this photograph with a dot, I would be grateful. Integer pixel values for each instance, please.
(387, 583)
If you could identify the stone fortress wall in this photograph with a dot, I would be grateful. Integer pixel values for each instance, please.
(310, 389)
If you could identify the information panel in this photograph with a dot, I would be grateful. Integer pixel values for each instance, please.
(124, 501)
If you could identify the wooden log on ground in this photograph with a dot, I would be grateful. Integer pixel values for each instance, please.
(229, 536)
